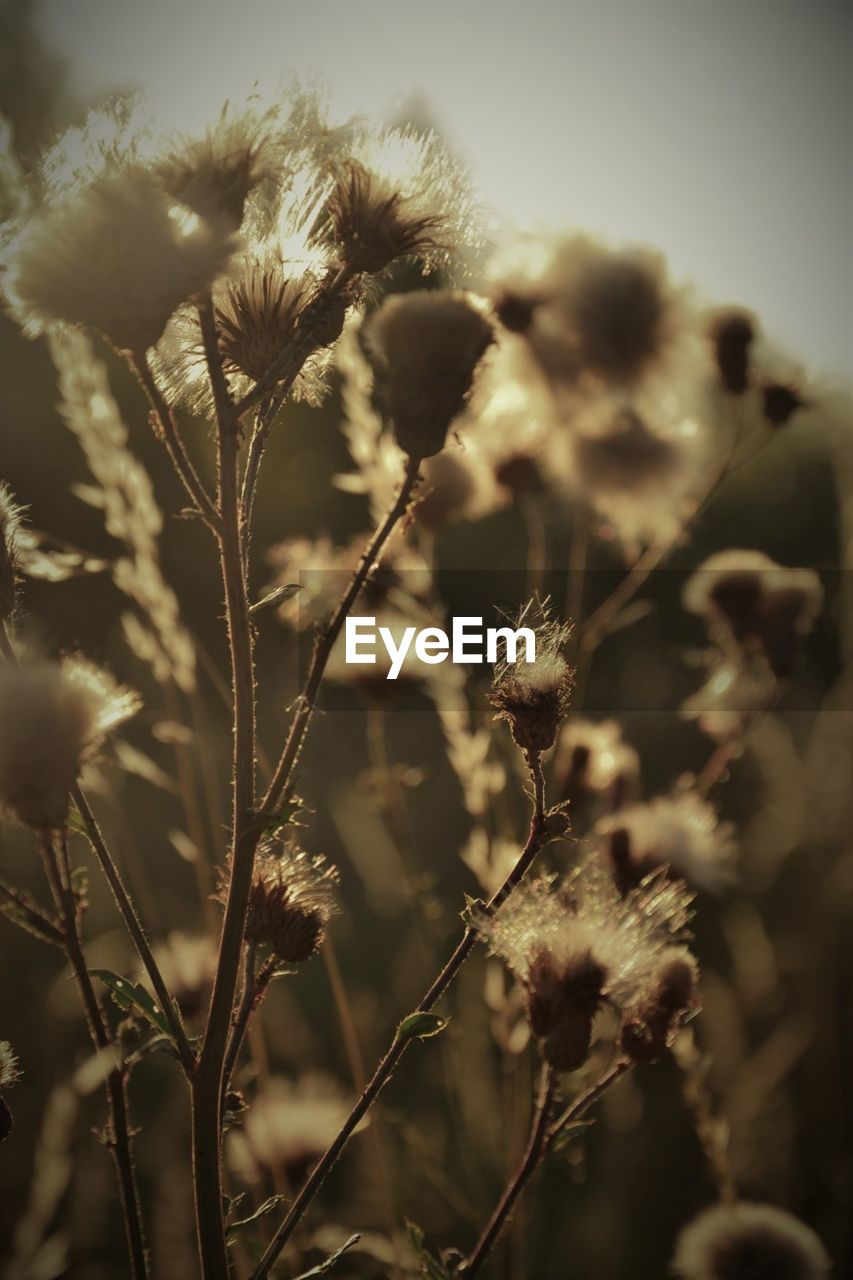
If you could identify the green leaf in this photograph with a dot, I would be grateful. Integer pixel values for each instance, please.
(420, 1026)
(235, 1227)
(133, 997)
(430, 1267)
(323, 1268)
(568, 1134)
(276, 597)
(270, 824)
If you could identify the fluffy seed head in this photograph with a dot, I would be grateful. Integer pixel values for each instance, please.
(291, 903)
(732, 333)
(52, 716)
(287, 1124)
(649, 1028)
(426, 347)
(214, 175)
(593, 761)
(256, 315)
(749, 1242)
(10, 523)
(680, 833)
(533, 697)
(9, 1070)
(372, 224)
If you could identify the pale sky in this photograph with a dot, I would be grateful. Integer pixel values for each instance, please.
(719, 132)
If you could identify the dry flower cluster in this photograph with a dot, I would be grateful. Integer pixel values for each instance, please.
(262, 263)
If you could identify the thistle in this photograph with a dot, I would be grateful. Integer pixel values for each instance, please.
(749, 1242)
(10, 523)
(533, 697)
(291, 903)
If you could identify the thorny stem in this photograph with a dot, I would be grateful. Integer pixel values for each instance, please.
(36, 919)
(542, 1134)
(167, 429)
(255, 986)
(534, 1151)
(538, 836)
(207, 1085)
(118, 1134)
(135, 927)
(325, 641)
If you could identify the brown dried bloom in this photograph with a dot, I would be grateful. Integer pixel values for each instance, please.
(580, 946)
(779, 403)
(287, 1124)
(117, 255)
(732, 332)
(681, 833)
(649, 1028)
(214, 175)
(426, 346)
(10, 523)
(372, 224)
(593, 761)
(756, 606)
(9, 1075)
(257, 312)
(749, 1242)
(291, 903)
(533, 697)
(52, 717)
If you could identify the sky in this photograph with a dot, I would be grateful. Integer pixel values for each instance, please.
(719, 132)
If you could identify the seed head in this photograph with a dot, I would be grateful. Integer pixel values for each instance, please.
(533, 697)
(214, 175)
(427, 346)
(648, 1029)
(372, 224)
(10, 523)
(779, 403)
(257, 312)
(732, 332)
(116, 255)
(749, 1242)
(52, 717)
(680, 833)
(291, 903)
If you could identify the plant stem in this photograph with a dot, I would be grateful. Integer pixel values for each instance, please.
(207, 1085)
(36, 919)
(135, 928)
(534, 1151)
(167, 429)
(325, 641)
(538, 836)
(542, 1134)
(118, 1137)
(254, 989)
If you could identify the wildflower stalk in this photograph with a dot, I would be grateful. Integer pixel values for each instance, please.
(323, 645)
(531, 1158)
(135, 928)
(118, 1133)
(538, 836)
(167, 429)
(255, 985)
(542, 1134)
(207, 1084)
(36, 919)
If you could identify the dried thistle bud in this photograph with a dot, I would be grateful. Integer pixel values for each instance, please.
(426, 346)
(291, 903)
(562, 1001)
(52, 716)
(115, 255)
(749, 1242)
(779, 403)
(732, 334)
(533, 697)
(648, 1029)
(215, 174)
(679, 834)
(515, 310)
(10, 523)
(372, 224)
(9, 1075)
(257, 314)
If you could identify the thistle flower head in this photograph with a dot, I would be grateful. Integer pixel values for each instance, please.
(533, 697)
(10, 524)
(649, 1028)
(291, 902)
(257, 311)
(581, 944)
(10, 1072)
(681, 833)
(52, 717)
(214, 174)
(117, 254)
(427, 346)
(756, 606)
(732, 332)
(593, 759)
(287, 1123)
(749, 1242)
(371, 224)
